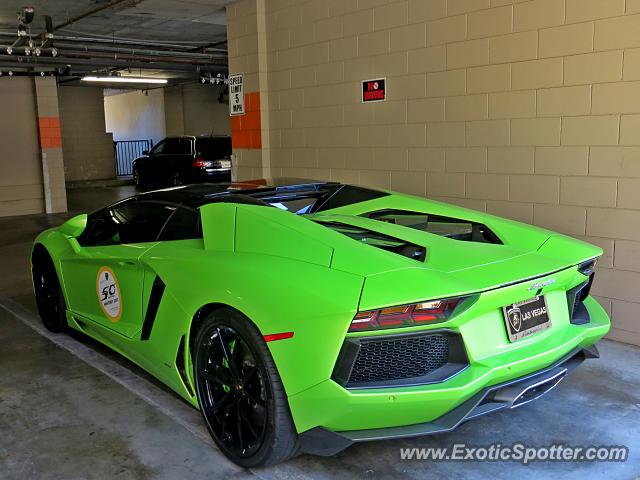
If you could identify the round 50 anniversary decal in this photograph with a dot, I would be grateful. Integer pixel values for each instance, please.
(109, 294)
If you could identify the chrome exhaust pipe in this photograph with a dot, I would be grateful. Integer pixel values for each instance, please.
(523, 393)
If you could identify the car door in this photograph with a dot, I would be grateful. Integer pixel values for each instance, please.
(105, 279)
(152, 164)
(177, 158)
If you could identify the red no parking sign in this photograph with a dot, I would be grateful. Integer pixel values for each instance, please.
(374, 90)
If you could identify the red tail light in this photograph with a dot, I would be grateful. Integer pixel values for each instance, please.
(198, 162)
(421, 313)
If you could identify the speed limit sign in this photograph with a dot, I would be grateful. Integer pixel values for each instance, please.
(236, 94)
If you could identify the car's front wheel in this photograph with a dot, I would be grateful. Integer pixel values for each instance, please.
(49, 297)
(240, 393)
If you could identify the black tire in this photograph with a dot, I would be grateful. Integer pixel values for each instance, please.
(49, 297)
(177, 180)
(239, 391)
(137, 179)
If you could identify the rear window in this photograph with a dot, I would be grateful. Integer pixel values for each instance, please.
(378, 240)
(449, 227)
(215, 147)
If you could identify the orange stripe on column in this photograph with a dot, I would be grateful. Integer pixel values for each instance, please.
(49, 132)
(246, 130)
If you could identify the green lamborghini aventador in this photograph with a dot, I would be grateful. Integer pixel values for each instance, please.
(303, 316)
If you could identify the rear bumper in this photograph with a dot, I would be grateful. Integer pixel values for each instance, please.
(211, 175)
(338, 409)
(506, 395)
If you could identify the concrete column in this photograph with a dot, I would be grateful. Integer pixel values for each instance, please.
(263, 68)
(46, 93)
(246, 43)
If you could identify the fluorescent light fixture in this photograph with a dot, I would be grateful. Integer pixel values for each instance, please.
(124, 79)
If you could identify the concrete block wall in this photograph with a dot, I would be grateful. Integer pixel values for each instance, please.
(21, 182)
(525, 109)
(135, 115)
(87, 147)
(195, 110)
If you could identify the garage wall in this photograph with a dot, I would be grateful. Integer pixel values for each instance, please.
(525, 109)
(194, 109)
(87, 148)
(135, 115)
(21, 189)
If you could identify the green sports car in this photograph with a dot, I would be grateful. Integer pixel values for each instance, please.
(303, 316)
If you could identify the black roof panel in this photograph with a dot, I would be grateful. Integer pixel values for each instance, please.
(202, 193)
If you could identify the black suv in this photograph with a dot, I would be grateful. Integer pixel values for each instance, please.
(185, 159)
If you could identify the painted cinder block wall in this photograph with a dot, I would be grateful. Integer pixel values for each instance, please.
(87, 147)
(525, 109)
(31, 162)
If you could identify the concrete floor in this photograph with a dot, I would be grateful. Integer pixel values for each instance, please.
(72, 409)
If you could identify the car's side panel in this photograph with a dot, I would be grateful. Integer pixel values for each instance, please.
(277, 294)
(124, 274)
(158, 355)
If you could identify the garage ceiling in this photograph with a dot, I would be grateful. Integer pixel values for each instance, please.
(179, 38)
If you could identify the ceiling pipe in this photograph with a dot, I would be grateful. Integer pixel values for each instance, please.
(136, 57)
(114, 56)
(210, 46)
(160, 45)
(103, 44)
(11, 61)
(137, 51)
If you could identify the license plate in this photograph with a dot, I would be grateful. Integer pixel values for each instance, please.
(526, 318)
(225, 163)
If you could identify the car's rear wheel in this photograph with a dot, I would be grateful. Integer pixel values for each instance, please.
(137, 178)
(176, 179)
(49, 297)
(240, 393)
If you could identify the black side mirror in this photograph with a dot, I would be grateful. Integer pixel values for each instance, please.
(145, 152)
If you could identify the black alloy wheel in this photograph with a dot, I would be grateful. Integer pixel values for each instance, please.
(239, 392)
(49, 297)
